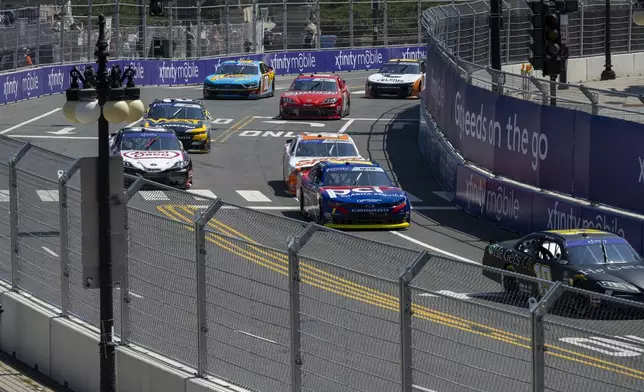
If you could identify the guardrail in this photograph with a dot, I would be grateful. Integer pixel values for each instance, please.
(512, 133)
(274, 304)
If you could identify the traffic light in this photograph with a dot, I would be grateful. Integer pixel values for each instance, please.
(552, 33)
(537, 46)
(156, 8)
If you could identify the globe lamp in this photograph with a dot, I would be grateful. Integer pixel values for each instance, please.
(69, 112)
(88, 112)
(137, 109)
(116, 111)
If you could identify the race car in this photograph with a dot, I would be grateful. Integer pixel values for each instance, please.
(307, 149)
(188, 118)
(352, 195)
(588, 259)
(240, 79)
(401, 78)
(316, 97)
(153, 153)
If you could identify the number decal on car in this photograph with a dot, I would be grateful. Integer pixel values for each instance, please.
(543, 272)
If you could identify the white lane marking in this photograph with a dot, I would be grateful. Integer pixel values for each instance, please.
(422, 389)
(63, 131)
(282, 122)
(443, 195)
(346, 126)
(54, 137)
(132, 293)
(51, 252)
(29, 121)
(381, 119)
(133, 123)
(4, 195)
(221, 121)
(447, 293)
(435, 208)
(202, 192)
(153, 195)
(357, 92)
(433, 248)
(257, 337)
(267, 117)
(255, 196)
(48, 195)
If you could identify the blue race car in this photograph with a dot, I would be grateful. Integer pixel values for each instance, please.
(240, 79)
(352, 195)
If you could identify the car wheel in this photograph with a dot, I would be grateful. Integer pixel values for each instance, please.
(302, 211)
(320, 217)
(510, 283)
(348, 106)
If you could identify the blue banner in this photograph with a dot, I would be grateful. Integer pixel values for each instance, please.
(36, 82)
(552, 148)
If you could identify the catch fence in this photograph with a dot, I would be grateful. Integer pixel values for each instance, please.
(52, 34)
(275, 304)
(462, 31)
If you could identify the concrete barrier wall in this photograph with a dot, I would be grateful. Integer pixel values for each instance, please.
(589, 69)
(67, 352)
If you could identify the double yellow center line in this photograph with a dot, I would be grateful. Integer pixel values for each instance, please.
(316, 277)
(234, 128)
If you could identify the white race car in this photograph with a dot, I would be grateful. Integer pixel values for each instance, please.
(153, 153)
(307, 149)
(399, 78)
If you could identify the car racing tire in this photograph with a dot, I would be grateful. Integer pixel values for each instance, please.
(320, 218)
(348, 108)
(304, 214)
(510, 284)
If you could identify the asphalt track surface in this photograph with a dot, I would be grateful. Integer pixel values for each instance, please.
(461, 333)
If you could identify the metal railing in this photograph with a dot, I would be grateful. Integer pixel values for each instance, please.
(462, 30)
(49, 34)
(276, 304)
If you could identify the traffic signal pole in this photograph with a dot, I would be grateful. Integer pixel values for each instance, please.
(608, 73)
(553, 90)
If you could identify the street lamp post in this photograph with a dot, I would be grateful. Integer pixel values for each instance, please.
(607, 73)
(103, 99)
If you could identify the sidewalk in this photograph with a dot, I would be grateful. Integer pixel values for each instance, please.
(17, 377)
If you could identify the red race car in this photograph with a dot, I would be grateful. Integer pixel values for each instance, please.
(316, 97)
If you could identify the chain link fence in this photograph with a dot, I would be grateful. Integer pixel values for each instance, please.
(274, 304)
(66, 31)
(462, 30)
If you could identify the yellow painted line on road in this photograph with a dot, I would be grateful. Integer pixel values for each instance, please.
(233, 128)
(278, 262)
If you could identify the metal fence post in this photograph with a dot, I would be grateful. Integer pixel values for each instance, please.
(318, 25)
(537, 311)
(285, 25)
(351, 37)
(200, 255)
(171, 24)
(581, 29)
(117, 28)
(89, 44)
(63, 179)
(385, 21)
(630, 26)
(38, 28)
(508, 30)
(227, 23)
(16, 30)
(407, 275)
(61, 47)
(420, 22)
(592, 97)
(197, 50)
(294, 246)
(13, 214)
(254, 27)
(125, 279)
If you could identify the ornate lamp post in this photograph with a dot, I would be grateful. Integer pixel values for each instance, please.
(103, 99)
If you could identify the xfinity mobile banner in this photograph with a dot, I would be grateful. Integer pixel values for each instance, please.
(567, 151)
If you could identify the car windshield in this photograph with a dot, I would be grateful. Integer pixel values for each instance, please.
(237, 69)
(585, 252)
(400, 68)
(314, 85)
(325, 148)
(149, 142)
(176, 111)
(357, 176)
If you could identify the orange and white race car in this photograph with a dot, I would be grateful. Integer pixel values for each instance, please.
(307, 149)
(398, 78)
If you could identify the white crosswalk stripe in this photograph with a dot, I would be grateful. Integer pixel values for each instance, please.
(153, 195)
(48, 195)
(203, 192)
(4, 195)
(254, 196)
